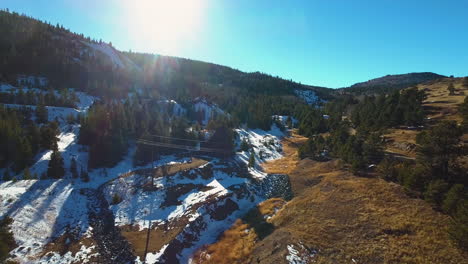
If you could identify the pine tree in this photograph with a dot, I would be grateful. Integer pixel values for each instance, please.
(251, 159)
(439, 147)
(73, 168)
(41, 114)
(84, 175)
(56, 169)
(465, 82)
(451, 88)
(26, 174)
(244, 145)
(7, 176)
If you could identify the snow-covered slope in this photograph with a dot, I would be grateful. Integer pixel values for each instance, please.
(201, 202)
(116, 58)
(110, 52)
(41, 210)
(266, 146)
(309, 96)
(177, 109)
(206, 110)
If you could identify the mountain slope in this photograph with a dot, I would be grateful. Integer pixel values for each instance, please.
(337, 217)
(391, 82)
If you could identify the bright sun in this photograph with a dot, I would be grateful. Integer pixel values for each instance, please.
(163, 25)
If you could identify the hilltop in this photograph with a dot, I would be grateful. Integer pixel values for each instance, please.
(389, 82)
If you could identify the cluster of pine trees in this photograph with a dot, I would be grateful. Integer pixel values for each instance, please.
(65, 98)
(109, 127)
(399, 108)
(7, 241)
(437, 174)
(21, 139)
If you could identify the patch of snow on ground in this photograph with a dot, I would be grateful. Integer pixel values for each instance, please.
(266, 146)
(33, 80)
(299, 254)
(42, 210)
(209, 110)
(107, 50)
(308, 96)
(152, 258)
(177, 109)
(283, 120)
(82, 256)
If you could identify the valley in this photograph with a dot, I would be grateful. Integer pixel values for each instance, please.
(110, 156)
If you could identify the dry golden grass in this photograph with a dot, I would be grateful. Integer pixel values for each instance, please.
(369, 220)
(439, 103)
(236, 244)
(271, 206)
(401, 142)
(346, 219)
(159, 236)
(68, 243)
(286, 164)
(171, 169)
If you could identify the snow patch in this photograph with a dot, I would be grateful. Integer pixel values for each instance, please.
(107, 50)
(299, 254)
(266, 146)
(207, 110)
(309, 96)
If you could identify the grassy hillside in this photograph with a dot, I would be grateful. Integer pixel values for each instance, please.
(337, 217)
(390, 83)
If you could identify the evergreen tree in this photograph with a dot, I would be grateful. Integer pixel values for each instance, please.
(435, 191)
(73, 168)
(454, 197)
(26, 174)
(465, 82)
(251, 160)
(55, 169)
(84, 175)
(439, 147)
(7, 241)
(244, 146)
(451, 88)
(7, 176)
(41, 114)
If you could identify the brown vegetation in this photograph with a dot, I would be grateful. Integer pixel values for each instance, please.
(237, 243)
(439, 103)
(288, 163)
(343, 219)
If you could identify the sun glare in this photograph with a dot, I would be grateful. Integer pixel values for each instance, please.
(162, 26)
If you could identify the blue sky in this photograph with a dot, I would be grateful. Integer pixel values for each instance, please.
(328, 43)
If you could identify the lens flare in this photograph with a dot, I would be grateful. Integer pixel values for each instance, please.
(162, 26)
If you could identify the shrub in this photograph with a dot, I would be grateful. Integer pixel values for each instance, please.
(116, 199)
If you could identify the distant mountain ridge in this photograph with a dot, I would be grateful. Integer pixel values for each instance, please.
(392, 82)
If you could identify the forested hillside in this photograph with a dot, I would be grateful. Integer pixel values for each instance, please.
(389, 83)
(69, 60)
(356, 133)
